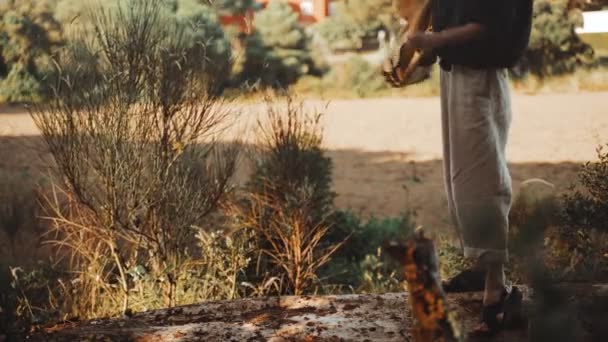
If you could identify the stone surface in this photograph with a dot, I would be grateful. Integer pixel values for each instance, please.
(326, 318)
(374, 318)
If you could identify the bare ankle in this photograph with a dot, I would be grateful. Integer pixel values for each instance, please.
(495, 283)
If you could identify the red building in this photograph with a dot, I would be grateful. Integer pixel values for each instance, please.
(310, 11)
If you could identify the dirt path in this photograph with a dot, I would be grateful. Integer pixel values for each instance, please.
(387, 151)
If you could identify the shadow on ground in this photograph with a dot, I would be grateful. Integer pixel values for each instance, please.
(368, 183)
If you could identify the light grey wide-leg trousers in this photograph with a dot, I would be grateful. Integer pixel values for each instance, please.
(476, 115)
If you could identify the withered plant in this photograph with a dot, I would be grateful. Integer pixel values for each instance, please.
(134, 124)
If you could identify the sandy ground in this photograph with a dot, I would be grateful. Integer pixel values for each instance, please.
(387, 152)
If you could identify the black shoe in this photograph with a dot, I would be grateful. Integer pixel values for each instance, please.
(506, 314)
(470, 280)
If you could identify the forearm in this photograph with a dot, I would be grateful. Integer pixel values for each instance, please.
(452, 36)
(459, 35)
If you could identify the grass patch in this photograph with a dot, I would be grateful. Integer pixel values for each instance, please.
(346, 82)
(582, 80)
(599, 42)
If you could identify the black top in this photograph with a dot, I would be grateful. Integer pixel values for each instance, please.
(507, 30)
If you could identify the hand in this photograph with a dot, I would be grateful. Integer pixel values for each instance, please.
(424, 40)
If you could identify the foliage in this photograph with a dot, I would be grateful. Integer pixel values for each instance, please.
(341, 32)
(202, 29)
(577, 249)
(360, 263)
(280, 31)
(594, 80)
(357, 78)
(289, 198)
(20, 86)
(19, 291)
(44, 293)
(255, 64)
(451, 259)
(554, 47)
(292, 166)
(588, 208)
(567, 233)
(591, 5)
(574, 254)
(356, 74)
(224, 258)
(379, 275)
(134, 134)
(291, 246)
(196, 24)
(235, 6)
(29, 37)
(9, 319)
(355, 20)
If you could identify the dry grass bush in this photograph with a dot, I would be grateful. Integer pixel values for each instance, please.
(290, 164)
(288, 238)
(133, 125)
(288, 199)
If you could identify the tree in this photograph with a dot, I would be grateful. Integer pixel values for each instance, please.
(198, 22)
(591, 5)
(254, 63)
(355, 20)
(280, 31)
(203, 31)
(555, 48)
(235, 6)
(29, 37)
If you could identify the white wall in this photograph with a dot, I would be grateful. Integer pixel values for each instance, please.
(595, 22)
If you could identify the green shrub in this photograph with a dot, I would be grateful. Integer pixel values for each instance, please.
(341, 33)
(45, 293)
(202, 30)
(292, 165)
(577, 249)
(280, 31)
(555, 48)
(356, 75)
(29, 36)
(20, 86)
(196, 24)
(568, 233)
(451, 258)
(587, 208)
(355, 20)
(288, 198)
(255, 63)
(359, 262)
(378, 274)
(234, 6)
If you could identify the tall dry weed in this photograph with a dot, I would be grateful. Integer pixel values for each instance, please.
(134, 125)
